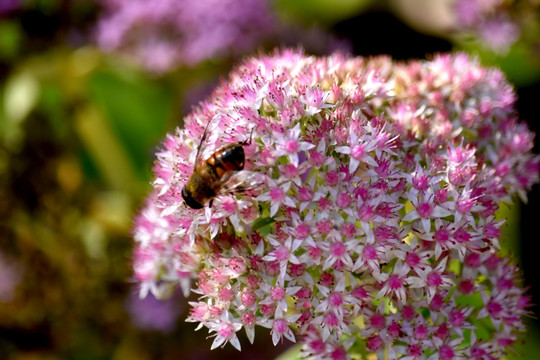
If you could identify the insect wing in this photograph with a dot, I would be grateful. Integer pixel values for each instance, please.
(209, 136)
(237, 182)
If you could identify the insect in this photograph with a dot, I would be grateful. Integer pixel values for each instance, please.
(221, 173)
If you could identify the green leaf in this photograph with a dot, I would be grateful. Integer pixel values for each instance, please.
(510, 229)
(106, 152)
(474, 300)
(10, 41)
(319, 11)
(291, 354)
(530, 348)
(138, 111)
(262, 222)
(484, 328)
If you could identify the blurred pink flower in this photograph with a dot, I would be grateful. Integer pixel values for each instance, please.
(10, 277)
(498, 24)
(151, 314)
(7, 6)
(378, 206)
(163, 34)
(499, 33)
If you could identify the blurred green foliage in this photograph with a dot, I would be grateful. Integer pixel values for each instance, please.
(319, 11)
(521, 64)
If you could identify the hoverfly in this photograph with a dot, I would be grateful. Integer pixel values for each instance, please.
(222, 173)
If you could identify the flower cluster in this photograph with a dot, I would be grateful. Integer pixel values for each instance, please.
(163, 34)
(373, 228)
(497, 23)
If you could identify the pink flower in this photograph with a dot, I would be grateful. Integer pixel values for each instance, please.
(277, 196)
(366, 214)
(225, 331)
(290, 145)
(394, 286)
(280, 327)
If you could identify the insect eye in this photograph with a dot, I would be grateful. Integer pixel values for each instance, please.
(189, 200)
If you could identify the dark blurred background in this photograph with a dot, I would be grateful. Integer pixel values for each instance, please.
(88, 88)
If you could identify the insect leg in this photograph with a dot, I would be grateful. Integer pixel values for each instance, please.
(248, 141)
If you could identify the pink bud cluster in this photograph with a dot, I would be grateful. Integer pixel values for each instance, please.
(374, 230)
